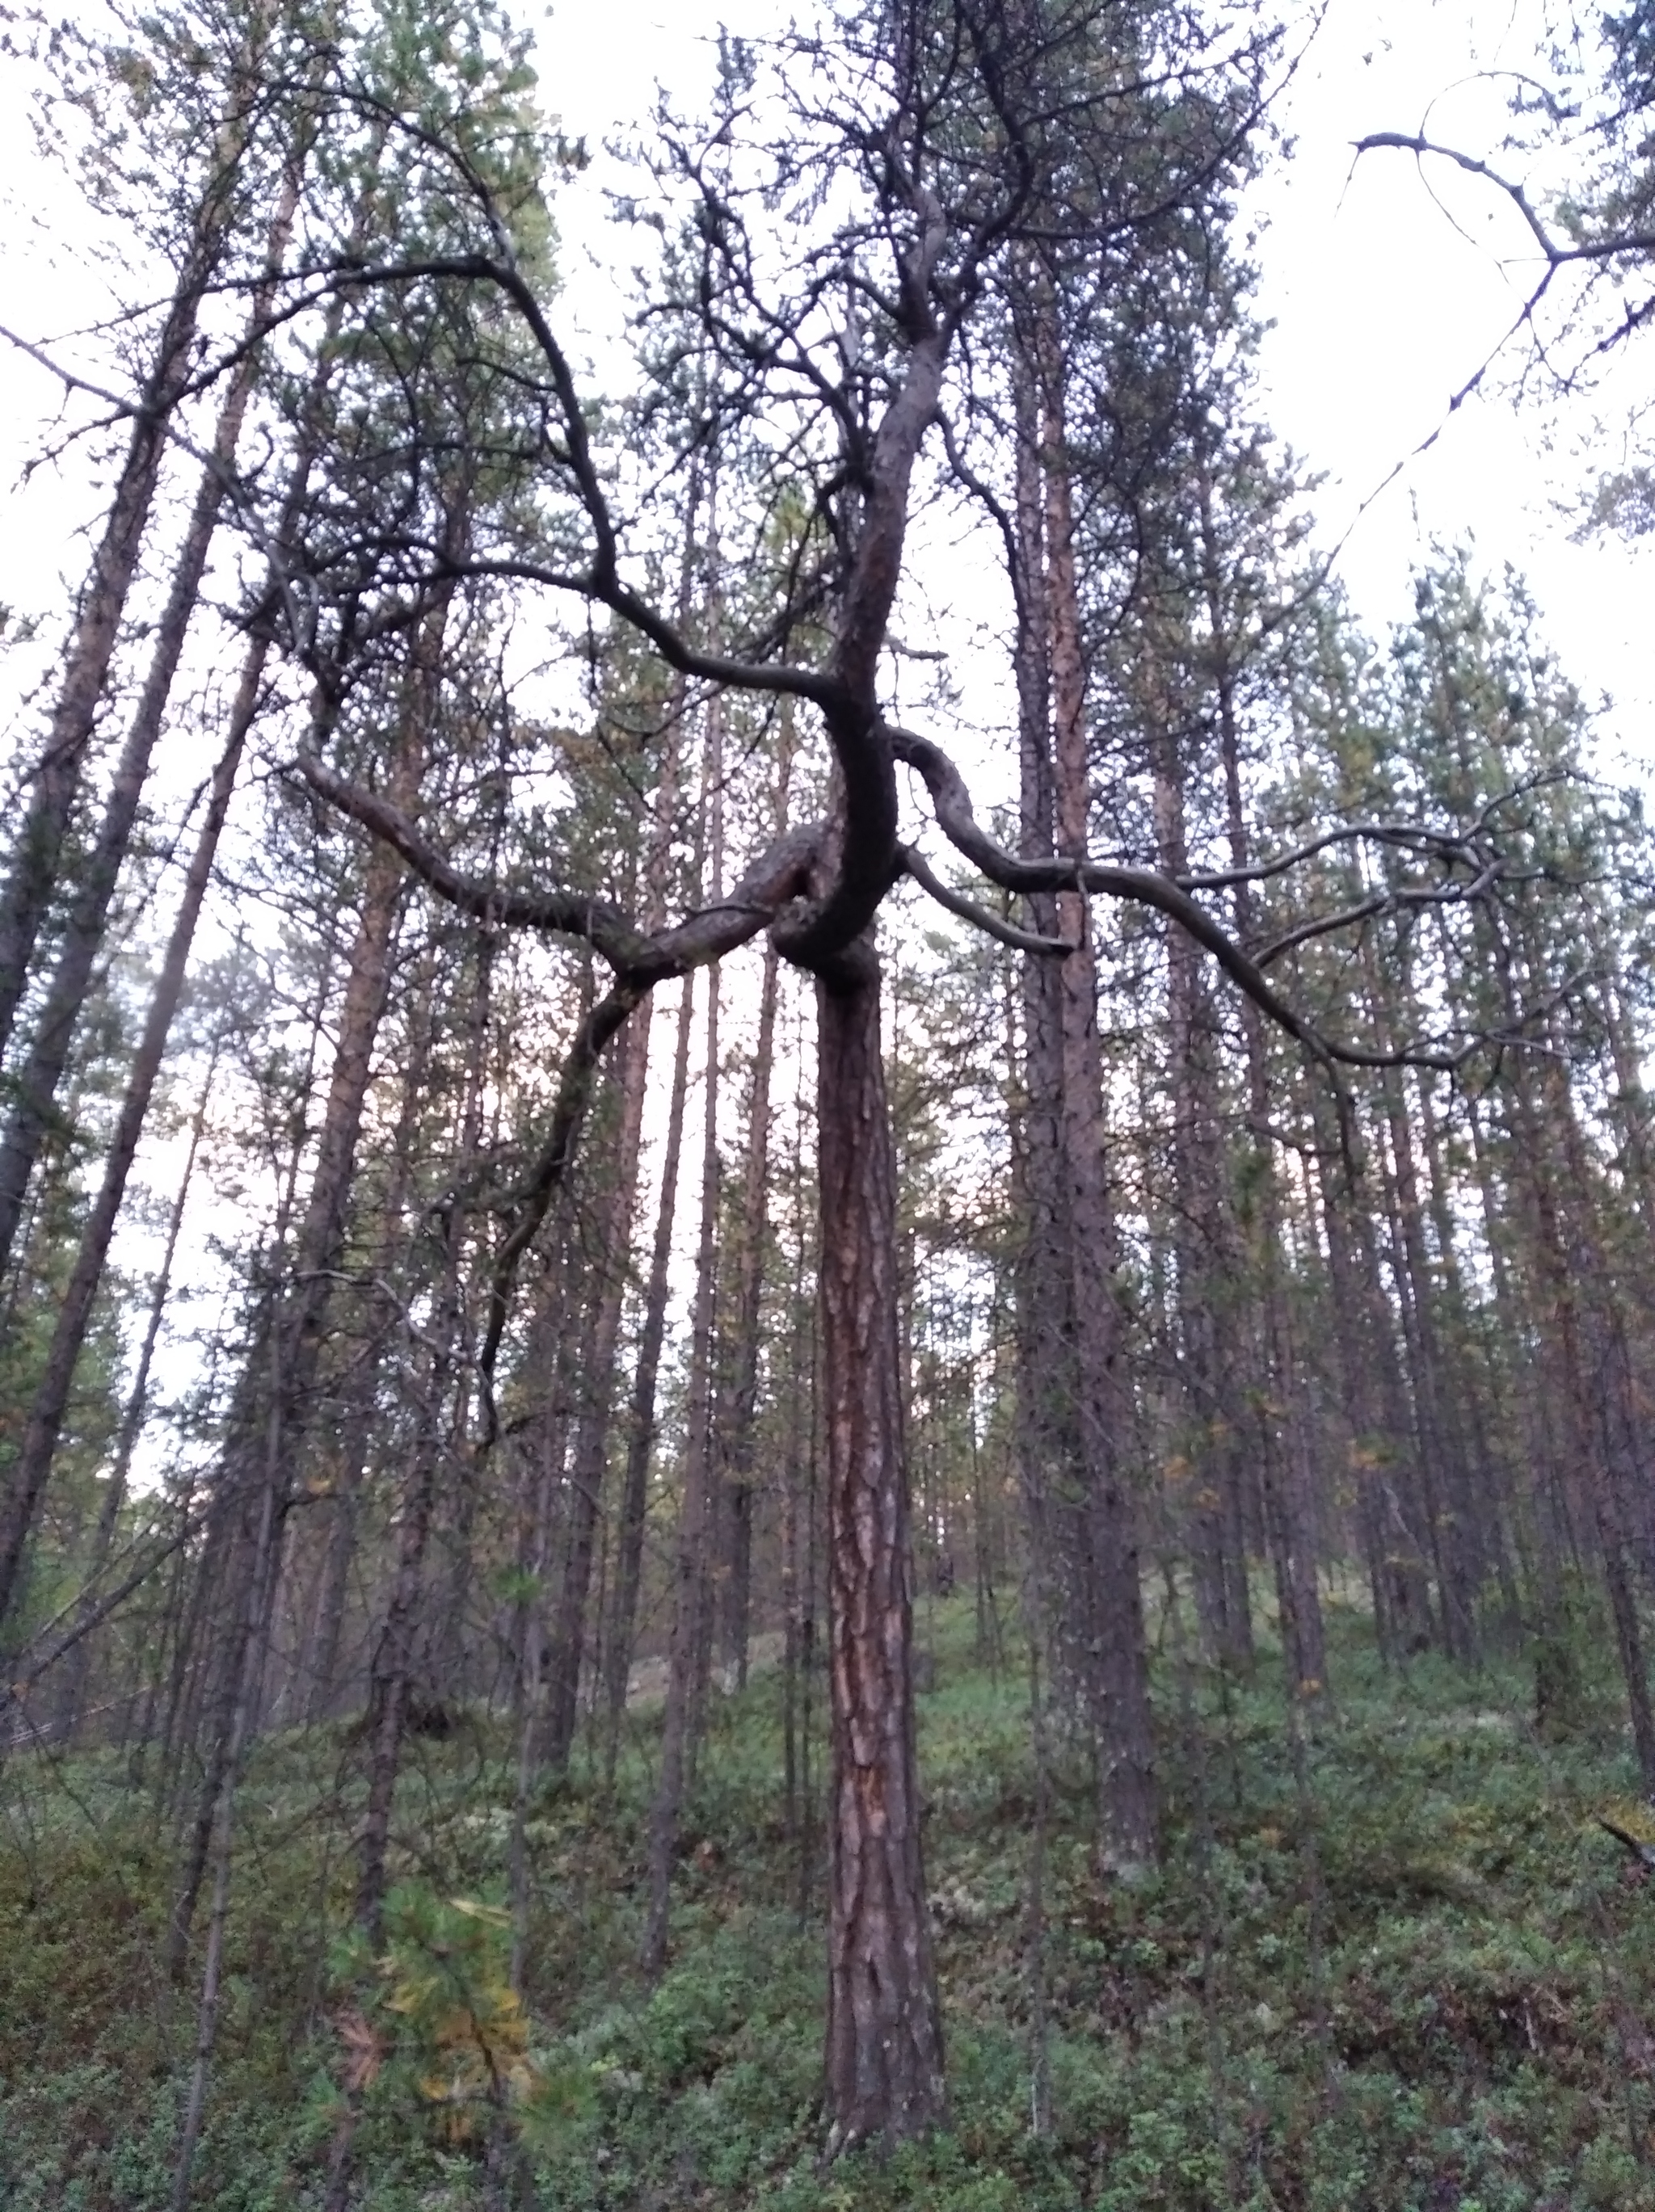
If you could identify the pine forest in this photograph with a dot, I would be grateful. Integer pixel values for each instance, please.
(827, 1246)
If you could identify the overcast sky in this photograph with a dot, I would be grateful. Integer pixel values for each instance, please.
(1382, 310)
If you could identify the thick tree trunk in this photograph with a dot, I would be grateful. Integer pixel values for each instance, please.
(883, 2056)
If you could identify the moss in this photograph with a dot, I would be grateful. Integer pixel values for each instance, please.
(1427, 1987)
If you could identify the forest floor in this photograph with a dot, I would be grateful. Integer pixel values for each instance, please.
(1405, 1972)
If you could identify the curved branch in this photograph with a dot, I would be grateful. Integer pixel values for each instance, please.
(640, 961)
(573, 914)
(1556, 256)
(953, 803)
(1387, 902)
(980, 917)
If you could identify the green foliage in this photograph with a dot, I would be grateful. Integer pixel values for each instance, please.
(1459, 2022)
(441, 2032)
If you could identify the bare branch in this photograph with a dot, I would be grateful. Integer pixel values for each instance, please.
(1145, 887)
(1556, 255)
(980, 917)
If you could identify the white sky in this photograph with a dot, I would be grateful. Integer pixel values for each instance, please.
(1382, 310)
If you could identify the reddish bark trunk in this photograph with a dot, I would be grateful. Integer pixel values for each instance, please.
(884, 2059)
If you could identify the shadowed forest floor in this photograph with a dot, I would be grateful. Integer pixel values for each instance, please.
(1414, 1977)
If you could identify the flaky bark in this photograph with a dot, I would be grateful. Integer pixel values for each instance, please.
(883, 2061)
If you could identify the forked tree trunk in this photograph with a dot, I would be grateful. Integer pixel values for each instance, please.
(884, 2059)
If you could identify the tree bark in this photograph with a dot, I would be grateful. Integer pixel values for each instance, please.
(884, 2053)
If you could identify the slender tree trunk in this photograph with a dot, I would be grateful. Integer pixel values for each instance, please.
(1045, 1441)
(1206, 1257)
(114, 1493)
(247, 1663)
(640, 1427)
(441, 1406)
(640, 1424)
(37, 1081)
(339, 1539)
(590, 1456)
(735, 1490)
(33, 879)
(691, 1591)
(1286, 1509)
(297, 1328)
(1119, 1676)
(28, 1478)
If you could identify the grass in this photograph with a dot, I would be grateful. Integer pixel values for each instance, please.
(1422, 1983)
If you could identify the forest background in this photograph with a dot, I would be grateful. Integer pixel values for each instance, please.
(478, 1540)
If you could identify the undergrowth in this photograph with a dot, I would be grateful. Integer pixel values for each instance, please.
(1421, 1983)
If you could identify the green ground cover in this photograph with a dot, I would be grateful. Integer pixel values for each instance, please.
(1414, 1975)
